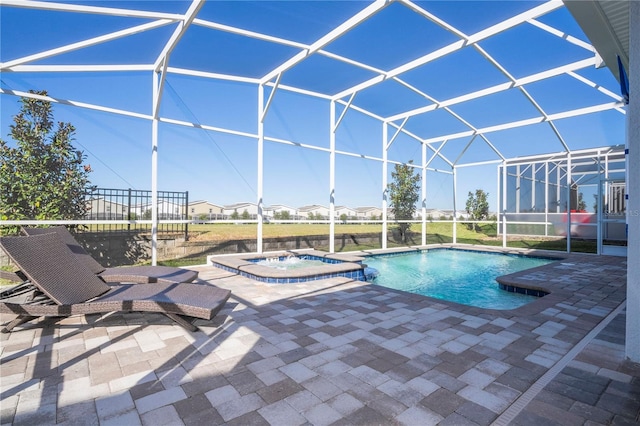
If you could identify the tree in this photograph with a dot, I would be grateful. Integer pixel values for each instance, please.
(235, 215)
(477, 207)
(245, 215)
(582, 204)
(43, 177)
(403, 195)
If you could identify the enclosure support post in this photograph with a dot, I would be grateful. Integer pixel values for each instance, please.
(558, 188)
(569, 202)
(424, 194)
(606, 176)
(546, 198)
(533, 187)
(518, 183)
(504, 205)
(154, 172)
(632, 348)
(599, 210)
(455, 213)
(260, 170)
(332, 177)
(384, 184)
(498, 198)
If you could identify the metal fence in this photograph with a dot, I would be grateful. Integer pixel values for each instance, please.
(133, 204)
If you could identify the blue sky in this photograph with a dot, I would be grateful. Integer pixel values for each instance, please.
(221, 168)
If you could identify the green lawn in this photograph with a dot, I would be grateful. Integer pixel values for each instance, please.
(227, 231)
(436, 233)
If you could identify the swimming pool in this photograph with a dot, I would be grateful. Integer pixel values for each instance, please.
(461, 276)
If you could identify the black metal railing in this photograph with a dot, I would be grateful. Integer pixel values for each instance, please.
(135, 204)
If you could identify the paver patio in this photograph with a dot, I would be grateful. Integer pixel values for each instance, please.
(338, 352)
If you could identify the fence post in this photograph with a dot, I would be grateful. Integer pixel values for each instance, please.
(186, 210)
(129, 209)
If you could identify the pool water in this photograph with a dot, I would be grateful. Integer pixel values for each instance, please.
(464, 277)
(289, 263)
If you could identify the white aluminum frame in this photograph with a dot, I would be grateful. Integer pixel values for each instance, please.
(160, 69)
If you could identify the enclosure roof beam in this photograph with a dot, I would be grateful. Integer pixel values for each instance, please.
(559, 157)
(524, 91)
(96, 10)
(496, 150)
(342, 29)
(344, 112)
(455, 162)
(527, 122)
(186, 20)
(215, 76)
(499, 88)
(284, 42)
(598, 88)
(478, 163)
(74, 103)
(395, 135)
(437, 153)
(247, 33)
(563, 35)
(460, 44)
(80, 68)
(442, 24)
(449, 110)
(85, 43)
(265, 109)
(162, 62)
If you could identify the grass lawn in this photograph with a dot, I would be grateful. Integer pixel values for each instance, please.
(436, 233)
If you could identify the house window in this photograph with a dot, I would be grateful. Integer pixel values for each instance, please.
(193, 210)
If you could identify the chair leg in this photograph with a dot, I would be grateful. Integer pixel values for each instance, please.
(181, 321)
(21, 319)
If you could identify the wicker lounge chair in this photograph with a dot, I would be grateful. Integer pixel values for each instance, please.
(60, 285)
(129, 274)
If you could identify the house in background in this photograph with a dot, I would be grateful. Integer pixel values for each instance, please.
(347, 211)
(204, 210)
(365, 213)
(277, 210)
(314, 211)
(238, 210)
(167, 210)
(103, 209)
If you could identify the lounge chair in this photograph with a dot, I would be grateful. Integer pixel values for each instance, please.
(60, 285)
(130, 274)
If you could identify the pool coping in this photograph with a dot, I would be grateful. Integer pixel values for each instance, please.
(347, 265)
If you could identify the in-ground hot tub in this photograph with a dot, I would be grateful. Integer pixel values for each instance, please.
(285, 267)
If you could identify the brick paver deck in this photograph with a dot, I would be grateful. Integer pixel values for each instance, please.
(338, 352)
